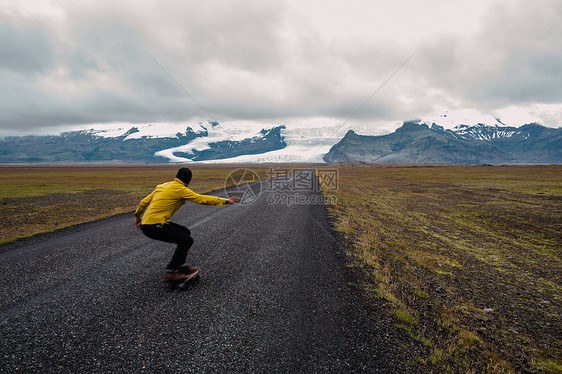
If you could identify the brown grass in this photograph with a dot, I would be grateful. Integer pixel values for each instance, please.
(469, 259)
(35, 199)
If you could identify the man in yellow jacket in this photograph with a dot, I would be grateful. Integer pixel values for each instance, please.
(153, 218)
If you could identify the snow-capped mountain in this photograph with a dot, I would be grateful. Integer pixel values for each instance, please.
(480, 132)
(150, 143)
(225, 142)
(313, 140)
(473, 125)
(417, 141)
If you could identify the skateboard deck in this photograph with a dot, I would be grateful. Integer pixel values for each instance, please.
(185, 283)
(182, 284)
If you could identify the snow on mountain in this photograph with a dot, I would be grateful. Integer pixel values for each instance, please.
(482, 132)
(472, 125)
(215, 134)
(450, 120)
(304, 144)
(417, 142)
(307, 141)
(148, 130)
(294, 140)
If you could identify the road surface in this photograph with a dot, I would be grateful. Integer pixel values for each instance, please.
(274, 297)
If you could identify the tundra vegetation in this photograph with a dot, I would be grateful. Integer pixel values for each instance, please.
(468, 259)
(35, 199)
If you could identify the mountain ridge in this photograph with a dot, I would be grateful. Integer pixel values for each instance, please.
(419, 142)
(413, 141)
(92, 146)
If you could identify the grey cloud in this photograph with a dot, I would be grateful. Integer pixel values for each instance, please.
(259, 60)
(515, 59)
(24, 44)
(527, 38)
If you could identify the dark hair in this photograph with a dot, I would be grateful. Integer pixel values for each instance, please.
(184, 174)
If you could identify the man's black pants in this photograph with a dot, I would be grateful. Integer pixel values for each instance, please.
(171, 233)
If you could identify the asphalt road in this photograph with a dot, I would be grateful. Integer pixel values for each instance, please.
(274, 296)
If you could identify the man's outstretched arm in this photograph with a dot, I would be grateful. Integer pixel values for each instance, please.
(233, 199)
(188, 194)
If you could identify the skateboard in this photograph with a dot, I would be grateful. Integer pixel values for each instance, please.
(183, 284)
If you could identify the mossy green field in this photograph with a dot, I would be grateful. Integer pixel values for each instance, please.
(468, 258)
(35, 199)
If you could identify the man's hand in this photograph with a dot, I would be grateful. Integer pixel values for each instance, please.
(137, 222)
(233, 199)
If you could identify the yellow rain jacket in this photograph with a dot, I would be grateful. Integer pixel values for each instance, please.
(166, 199)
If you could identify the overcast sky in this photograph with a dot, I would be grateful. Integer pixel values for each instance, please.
(66, 63)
